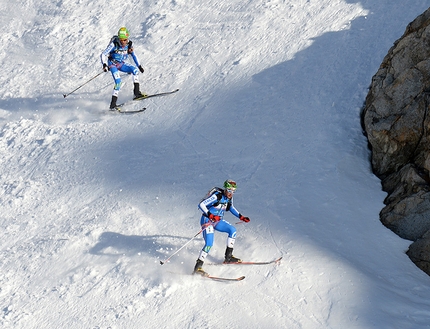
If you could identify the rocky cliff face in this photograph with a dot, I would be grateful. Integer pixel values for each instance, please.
(396, 121)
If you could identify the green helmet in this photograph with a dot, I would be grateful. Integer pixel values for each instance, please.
(230, 185)
(123, 33)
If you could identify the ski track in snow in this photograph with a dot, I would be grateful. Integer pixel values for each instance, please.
(270, 93)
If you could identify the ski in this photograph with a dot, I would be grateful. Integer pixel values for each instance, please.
(156, 95)
(120, 110)
(218, 278)
(275, 261)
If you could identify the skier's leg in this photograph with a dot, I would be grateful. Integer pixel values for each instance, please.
(131, 69)
(226, 227)
(208, 235)
(116, 88)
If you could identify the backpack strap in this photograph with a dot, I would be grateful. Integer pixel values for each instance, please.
(130, 47)
(228, 205)
(218, 196)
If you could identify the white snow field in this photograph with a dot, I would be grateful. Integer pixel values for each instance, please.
(270, 96)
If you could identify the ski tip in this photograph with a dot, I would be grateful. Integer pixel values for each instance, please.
(161, 262)
(64, 95)
(204, 274)
(214, 278)
(120, 110)
(241, 278)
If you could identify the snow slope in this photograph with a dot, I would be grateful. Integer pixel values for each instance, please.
(270, 94)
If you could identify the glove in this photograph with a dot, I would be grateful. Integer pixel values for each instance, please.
(244, 219)
(214, 218)
(105, 67)
(141, 69)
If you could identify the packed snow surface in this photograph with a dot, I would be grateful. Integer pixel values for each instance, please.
(270, 96)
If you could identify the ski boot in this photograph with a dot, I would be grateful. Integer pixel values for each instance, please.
(137, 93)
(198, 268)
(229, 258)
(113, 105)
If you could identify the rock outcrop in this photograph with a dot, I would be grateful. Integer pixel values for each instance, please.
(396, 121)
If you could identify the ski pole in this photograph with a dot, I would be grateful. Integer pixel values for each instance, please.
(65, 95)
(195, 236)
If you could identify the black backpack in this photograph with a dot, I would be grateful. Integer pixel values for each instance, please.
(219, 192)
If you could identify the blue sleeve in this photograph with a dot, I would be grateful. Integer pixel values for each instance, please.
(206, 204)
(234, 211)
(105, 54)
(135, 59)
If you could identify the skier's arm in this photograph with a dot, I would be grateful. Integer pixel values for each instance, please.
(207, 203)
(234, 211)
(105, 54)
(135, 59)
(134, 56)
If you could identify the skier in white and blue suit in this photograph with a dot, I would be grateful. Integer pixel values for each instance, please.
(113, 59)
(213, 209)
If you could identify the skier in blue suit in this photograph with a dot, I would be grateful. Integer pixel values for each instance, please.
(113, 59)
(213, 208)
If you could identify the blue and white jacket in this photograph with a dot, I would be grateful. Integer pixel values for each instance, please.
(116, 54)
(217, 204)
